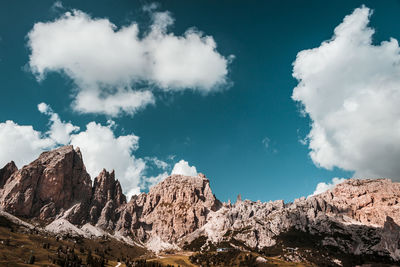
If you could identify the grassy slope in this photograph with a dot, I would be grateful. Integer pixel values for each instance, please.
(237, 259)
(22, 243)
(181, 259)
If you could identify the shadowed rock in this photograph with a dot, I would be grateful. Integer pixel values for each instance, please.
(107, 196)
(6, 172)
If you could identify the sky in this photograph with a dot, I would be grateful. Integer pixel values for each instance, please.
(269, 99)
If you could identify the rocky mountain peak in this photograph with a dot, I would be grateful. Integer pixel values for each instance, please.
(6, 172)
(53, 182)
(171, 209)
(106, 197)
(357, 216)
(106, 187)
(185, 189)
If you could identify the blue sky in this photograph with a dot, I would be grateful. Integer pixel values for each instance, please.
(243, 133)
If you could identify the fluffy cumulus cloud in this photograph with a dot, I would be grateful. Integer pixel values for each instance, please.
(21, 143)
(59, 131)
(350, 88)
(322, 187)
(110, 66)
(183, 168)
(100, 147)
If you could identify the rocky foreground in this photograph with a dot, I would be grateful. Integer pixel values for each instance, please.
(357, 219)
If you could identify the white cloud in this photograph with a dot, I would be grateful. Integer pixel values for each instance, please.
(132, 192)
(322, 187)
(59, 131)
(183, 168)
(350, 88)
(102, 149)
(21, 143)
(107, 62)
(90, 101)
(43, 108)
(158, 163)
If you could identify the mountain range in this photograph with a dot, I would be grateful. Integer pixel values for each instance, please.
(356, 222)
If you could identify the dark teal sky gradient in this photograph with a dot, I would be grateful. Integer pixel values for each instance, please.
(220, 133)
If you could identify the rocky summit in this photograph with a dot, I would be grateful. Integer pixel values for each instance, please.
(47, 186)
(357, 218)
(172, 209)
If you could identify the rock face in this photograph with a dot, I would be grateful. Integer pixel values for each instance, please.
(50, 184)
(366, 201)
(172, 209)
(390, 236)
(57, 186)
(359, 217)
(107, 196)
(6, 172)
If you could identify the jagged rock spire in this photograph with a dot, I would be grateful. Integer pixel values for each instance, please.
(106, 197)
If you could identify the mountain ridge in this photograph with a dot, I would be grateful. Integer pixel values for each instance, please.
(358, 217)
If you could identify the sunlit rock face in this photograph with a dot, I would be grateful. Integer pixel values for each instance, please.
(172, 209)
(363, 211)
(50, 184)
(366, 201)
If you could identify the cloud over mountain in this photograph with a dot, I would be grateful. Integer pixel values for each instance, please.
(115, 68)
(102, 149)
(183, 168)
(350, 89)
(59, 131)
(21, 143)
(100, 146)
(322, 187)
